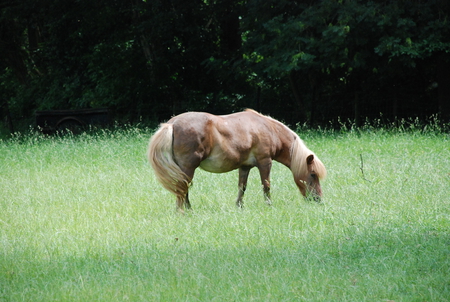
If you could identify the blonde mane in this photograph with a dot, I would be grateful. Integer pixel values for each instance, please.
(299, 153)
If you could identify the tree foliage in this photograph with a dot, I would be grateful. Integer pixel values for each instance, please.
(300, 61)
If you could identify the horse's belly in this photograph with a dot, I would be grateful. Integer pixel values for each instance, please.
(222, 164)
(216, 166)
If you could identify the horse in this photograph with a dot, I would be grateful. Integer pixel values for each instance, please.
(220, 144)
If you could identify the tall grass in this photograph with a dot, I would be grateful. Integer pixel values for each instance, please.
(83, 219)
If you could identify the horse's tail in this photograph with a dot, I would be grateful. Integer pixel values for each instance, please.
(160, 155)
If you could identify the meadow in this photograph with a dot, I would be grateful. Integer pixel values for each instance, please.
(82, 218)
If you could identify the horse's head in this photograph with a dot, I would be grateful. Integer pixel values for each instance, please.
(307, 169)
(309, 183)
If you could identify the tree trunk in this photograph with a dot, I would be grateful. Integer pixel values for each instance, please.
(443, 79)
(146, 45)
(258, 99)
(357, 110)
(7, 116)
(301, 113)
(231, 37)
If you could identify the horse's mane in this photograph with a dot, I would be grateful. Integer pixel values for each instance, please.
(299, 153)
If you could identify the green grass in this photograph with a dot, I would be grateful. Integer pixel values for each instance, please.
(83, 219)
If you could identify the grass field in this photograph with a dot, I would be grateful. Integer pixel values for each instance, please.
(83, 219)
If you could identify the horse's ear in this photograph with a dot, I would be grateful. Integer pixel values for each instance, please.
(310, 159)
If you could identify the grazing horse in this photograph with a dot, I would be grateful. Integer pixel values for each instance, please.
(220, 144)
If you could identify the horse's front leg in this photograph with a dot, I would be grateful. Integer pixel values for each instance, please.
(243, 176)
(264, 172)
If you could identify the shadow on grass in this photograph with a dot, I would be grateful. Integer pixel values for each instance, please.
(401, 264)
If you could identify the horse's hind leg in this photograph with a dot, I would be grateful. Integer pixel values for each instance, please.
(183, 199)
(186, 202)
(183, 203)
(180, 204)
(243, 176)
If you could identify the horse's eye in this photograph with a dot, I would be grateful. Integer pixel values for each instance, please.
(314, 176)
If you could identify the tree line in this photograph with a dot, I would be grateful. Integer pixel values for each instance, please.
(300, 61)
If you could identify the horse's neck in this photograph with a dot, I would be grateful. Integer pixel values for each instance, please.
(287, 138)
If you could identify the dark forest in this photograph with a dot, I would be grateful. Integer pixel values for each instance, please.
(307, 62)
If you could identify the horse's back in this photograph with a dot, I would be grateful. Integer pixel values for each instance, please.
(240, 129)
(201, 122)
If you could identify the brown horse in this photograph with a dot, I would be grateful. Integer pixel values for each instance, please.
(223, 143)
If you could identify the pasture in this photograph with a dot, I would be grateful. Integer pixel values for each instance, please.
(84, 219)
